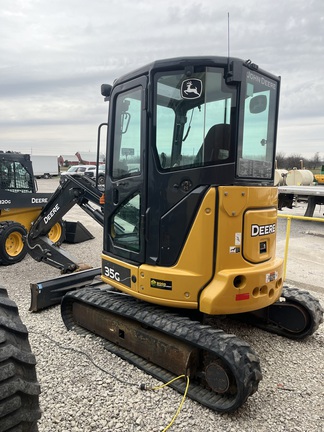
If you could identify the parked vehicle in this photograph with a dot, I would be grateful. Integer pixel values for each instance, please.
(100, 175)
(88, 170)
(45, 166)
(79, 169)
(20, 206)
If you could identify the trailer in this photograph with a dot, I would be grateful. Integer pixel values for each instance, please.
(313, 194)
(45, 166)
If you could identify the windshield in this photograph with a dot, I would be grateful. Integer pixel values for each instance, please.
(193, 118)
(72, 169)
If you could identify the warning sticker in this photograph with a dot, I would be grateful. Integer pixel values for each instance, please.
(271, 276)
(234, 249)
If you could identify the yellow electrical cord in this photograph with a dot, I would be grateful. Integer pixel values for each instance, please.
(182, 401)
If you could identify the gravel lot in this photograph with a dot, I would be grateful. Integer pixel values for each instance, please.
(77, 396)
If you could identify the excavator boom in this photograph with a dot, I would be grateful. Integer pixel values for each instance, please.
(73, 190)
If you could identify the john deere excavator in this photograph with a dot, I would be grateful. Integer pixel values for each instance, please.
(190, 219)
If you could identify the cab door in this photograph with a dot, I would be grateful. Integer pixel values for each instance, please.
(125, 195)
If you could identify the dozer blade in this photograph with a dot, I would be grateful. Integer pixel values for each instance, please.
(223, 370)
(50, 292)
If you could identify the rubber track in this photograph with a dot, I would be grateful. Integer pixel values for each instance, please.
(237, 354)
(19, 389)
(301, 298)
(310, 303)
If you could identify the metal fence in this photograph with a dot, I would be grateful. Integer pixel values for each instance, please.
(288, 226)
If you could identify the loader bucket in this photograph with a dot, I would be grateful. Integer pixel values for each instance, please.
(75, 232)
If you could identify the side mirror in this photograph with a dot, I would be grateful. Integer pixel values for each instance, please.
(106, 90)
(258, 104)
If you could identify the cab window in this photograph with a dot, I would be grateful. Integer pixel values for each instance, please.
(256, 150)
(127, 134)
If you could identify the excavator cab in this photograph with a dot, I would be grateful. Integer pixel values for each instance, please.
(190, 205)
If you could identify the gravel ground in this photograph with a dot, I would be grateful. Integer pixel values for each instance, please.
(77, 396)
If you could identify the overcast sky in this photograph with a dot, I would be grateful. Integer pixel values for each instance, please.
(55, 54)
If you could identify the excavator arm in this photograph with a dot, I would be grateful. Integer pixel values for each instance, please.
(80, 190)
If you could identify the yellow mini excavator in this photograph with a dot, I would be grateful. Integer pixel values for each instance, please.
(190, 219)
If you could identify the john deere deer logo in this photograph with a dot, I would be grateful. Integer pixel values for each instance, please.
(191, 88)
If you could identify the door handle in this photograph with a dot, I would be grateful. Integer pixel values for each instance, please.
(115, 196)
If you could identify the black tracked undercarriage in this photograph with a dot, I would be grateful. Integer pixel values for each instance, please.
(224, 370)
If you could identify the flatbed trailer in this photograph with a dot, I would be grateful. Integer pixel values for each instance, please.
(314, 195)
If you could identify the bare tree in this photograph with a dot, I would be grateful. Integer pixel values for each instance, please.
(298, 161)
(315, 162)
(281, 160)
(294, 161)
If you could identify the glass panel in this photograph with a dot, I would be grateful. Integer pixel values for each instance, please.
(164, 134)
(127, 138)
(257, 151)
(14, 177)
(192, 119)
(205, 120)
(126, 223)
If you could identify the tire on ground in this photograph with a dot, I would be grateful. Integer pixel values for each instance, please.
(58, 232)
(101, 180)
(12, 246)
(19, 389)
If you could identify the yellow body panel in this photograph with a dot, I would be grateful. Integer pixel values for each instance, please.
(228, 262)
(25, 216)
(193, 270)
(245, 279)
(319, 178)
(242, 290)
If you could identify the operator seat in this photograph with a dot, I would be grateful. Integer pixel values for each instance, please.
(216, 146)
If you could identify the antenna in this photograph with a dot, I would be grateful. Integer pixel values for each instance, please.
(228, 35)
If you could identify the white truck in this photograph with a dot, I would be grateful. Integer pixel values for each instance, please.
(313, 194)
(45, 166)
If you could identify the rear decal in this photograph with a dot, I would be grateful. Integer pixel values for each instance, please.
(116, 272)
(243, 296)
(238, 238)
(271, 276)
(234, 249)
(261, 230)
(161, 284)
